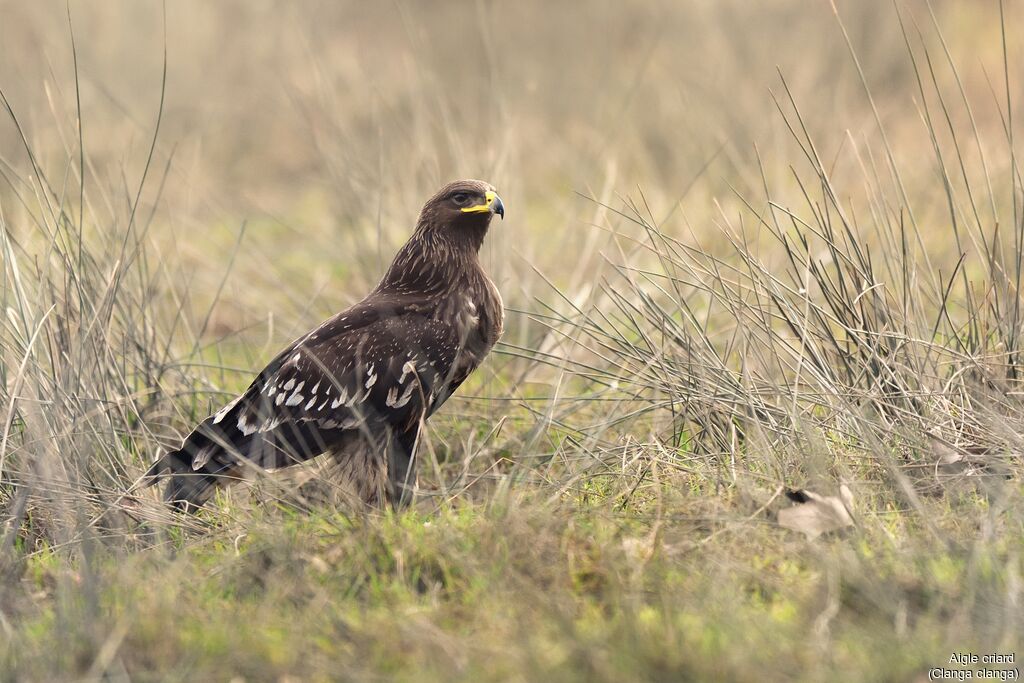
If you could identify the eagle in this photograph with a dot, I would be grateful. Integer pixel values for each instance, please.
(359, 387)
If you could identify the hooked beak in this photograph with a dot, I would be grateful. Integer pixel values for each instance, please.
(492, 204)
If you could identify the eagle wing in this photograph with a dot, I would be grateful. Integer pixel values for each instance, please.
(372, 370)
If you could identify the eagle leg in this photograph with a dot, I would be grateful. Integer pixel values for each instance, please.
(402, 467)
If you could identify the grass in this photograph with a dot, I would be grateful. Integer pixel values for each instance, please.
(794, 266)
(571, 591)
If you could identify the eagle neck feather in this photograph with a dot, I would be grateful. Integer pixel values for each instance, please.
(434, 261)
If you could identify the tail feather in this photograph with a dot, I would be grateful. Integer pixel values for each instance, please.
(214, 456)
(188, 489)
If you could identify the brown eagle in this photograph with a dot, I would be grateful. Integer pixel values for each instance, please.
(359, 386)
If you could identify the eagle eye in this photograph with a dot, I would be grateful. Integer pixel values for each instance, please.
(460, 198)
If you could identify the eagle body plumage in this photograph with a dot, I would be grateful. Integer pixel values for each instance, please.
(359, 386)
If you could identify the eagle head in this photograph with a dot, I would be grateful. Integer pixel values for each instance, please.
(463, 205)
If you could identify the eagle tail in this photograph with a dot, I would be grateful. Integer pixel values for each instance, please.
(187, 489)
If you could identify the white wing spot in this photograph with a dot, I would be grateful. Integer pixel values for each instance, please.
(310, 404)
(271, 424)
(295, 399)
(290, 384)
(341, 399)
(403, 399)
(244, 426)
(371, 381)
(406, 369)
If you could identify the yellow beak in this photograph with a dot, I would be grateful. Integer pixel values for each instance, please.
(492, 204)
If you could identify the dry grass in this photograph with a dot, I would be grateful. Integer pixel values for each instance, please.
(747, 250)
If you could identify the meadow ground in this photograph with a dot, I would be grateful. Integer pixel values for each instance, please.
(748, 250)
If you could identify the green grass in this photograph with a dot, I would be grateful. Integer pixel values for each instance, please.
(558, 591)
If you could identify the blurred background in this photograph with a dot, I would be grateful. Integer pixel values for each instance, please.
(325, 125)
